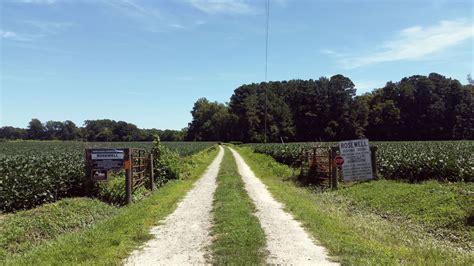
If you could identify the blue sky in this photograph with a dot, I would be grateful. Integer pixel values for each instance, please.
(147, 62)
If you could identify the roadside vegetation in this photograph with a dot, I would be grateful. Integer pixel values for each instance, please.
(378, 222)
(238, 236)
(413, 161)
(105, 241)
(24, 230)
(38, 172)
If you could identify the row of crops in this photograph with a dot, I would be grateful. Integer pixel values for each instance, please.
(413, 161)
(33, 173)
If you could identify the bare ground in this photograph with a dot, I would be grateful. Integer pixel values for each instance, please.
(287, 242)
(183, 237)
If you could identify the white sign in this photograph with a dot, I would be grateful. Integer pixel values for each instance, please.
(107, 155)
(357, 162)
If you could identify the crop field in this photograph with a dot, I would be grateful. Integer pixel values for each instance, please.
(413, 161)
(39, 172)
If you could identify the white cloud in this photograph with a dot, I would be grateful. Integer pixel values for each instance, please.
(148, 16)
(133, 9)
(199, 22)
(34, 30)
(224, 6)
(7, 34)
(47, 2)
(177, 26)
(44, 28)
(331, 52)
(367, 85)
(414, 43)
(10, 35)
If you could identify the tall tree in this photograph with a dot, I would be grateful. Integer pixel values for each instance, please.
(35, 129)
(211, 122)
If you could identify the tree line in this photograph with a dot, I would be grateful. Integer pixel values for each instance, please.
(93, 130)
(418, 107)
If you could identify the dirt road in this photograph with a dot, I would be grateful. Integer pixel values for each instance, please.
(184, 236)
(287, 241)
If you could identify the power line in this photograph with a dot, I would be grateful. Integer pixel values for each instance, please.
(266, 67)
(266, 39)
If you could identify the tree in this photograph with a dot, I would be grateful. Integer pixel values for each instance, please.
(35, 129)
(53, 130)
(211, 122)
(70, 131)
(12, 133)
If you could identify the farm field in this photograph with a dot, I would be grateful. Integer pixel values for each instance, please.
(37, 172)
(51, 233)
(432, 211)
(408, 160)
(384, 222)
(77, 147)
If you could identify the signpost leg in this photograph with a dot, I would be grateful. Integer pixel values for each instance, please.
(87, 182)
(128, 178)
(334, 170)
(152, 179)
(373, 158)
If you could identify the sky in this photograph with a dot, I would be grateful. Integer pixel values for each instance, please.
(147, 61)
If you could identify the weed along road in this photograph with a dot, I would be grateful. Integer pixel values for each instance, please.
(183, 236)
(186, 235)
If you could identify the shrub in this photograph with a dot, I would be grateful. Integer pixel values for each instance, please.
(166, 163)
(414, 161)
(111, 191)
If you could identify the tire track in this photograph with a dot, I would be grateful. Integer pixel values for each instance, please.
(184, 236)
(287, 241)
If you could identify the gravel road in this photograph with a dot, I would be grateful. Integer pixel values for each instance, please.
(287, 242)
(183, 237)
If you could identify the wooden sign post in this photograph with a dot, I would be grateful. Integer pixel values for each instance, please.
(100, 163)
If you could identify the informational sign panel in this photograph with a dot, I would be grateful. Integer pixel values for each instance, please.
(104, 160)
(357, 164)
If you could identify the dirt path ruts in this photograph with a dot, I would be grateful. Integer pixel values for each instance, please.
(184, 236)
(287, 241)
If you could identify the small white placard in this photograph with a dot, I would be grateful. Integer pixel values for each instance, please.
(107, 155)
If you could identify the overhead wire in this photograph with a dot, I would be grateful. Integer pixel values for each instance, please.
(267, 12)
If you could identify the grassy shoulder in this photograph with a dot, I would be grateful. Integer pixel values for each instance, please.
(111, 240)
(444, 209)
(238, 236)
(349, 225)
(23, 230)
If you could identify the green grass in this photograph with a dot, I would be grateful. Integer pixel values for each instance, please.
(349, 225)
(110, 241)
(238, 237)
(24, 230)
(442, 208)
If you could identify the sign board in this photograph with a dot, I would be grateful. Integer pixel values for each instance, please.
(98, 174)
(104, 160)
(338, 160)
(357, 164)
